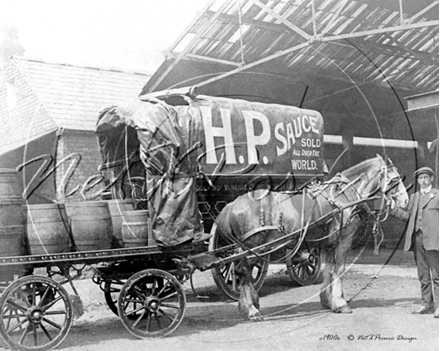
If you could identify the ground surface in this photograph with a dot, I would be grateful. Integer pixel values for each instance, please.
(381, 297)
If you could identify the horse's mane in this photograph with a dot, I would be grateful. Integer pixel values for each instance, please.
(363, 167)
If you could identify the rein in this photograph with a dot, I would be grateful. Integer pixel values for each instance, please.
(322, 190)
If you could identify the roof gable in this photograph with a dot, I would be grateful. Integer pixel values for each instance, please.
(73, 95)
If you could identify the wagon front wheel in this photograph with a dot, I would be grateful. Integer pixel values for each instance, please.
(36, 314)
(305, 267)
(151, 303)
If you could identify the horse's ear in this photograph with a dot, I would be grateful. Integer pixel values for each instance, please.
(384, 157)
(390, 162)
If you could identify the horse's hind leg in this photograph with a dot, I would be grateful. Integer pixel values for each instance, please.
(332, 295)
(248, 303)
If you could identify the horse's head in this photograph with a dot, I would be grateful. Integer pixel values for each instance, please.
(392, 185)
(375, 175)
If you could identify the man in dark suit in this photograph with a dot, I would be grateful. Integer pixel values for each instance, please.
(422, 236)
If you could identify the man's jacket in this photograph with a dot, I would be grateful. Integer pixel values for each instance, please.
(430, 219)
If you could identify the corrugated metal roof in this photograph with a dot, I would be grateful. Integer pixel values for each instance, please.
(392, 42)
(73, 95)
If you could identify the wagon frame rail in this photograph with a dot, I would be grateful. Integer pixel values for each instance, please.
(93, 257)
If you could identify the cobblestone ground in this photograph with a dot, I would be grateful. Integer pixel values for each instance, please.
(381, 297)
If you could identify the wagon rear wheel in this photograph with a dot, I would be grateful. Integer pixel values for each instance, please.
(35, 314)
(151, 303)
(225, 277)
(305, 267)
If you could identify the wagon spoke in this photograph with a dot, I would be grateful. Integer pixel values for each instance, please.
(170, 306)
(139, 318)
(18, 325)
(33, 294)
(164, 288)
(135, 311)
(166, 314)
(43, 297)
(169, 296)
(138, 293)
(153, 289)
(13, 303)
(50, 304)
(52, 323)
(148, 321)
(304, 271)
(34, 327)
(15, 316)
(23, 335)
(53, 313)
(157, 321)
(43, 328)
(229, 270)
(128, 300)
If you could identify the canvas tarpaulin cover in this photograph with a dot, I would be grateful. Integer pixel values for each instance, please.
(163, 141)
(180, 135)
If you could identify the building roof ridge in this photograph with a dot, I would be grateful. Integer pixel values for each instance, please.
(75, 65)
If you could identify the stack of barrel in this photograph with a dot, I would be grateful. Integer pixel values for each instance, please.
(85, 226)
(100, 225)
(11, 221)
(41, 229)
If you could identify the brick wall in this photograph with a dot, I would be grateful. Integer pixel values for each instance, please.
(85, 144)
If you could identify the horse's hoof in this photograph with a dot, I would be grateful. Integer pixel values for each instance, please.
(256, 318)
(343, 309)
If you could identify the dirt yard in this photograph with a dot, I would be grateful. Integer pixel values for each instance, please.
(381, 297)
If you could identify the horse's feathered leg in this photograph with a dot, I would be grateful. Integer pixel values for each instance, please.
(248, 303)
(332, 295)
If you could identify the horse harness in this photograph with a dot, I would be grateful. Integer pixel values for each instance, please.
(324, 190)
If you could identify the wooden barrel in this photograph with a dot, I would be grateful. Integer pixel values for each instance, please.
(117, 209)
(91, 225)
(135, 228)
(47, 229)
(11, 220)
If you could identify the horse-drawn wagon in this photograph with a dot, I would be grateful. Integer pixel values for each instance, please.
(237, 147)
(153, 152)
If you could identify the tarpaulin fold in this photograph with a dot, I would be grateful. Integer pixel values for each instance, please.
(153, 130)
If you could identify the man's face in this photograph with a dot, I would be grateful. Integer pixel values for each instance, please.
(424, 180)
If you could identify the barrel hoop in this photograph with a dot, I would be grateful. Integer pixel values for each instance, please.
(86, 204)
(53, 207)
(45, 220)
(134, 223)
(12, 229)
(11, 200)
(89, 218)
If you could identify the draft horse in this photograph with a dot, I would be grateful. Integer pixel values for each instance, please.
(324, 215)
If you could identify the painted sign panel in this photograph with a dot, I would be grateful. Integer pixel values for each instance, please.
(241, 137)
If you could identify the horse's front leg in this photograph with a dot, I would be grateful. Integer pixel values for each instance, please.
(332, 295)
(248, 303)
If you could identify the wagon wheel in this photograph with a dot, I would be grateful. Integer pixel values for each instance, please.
(225, 277)
(305, 267)
(151, 303)
(35, 314)
(112, 289)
